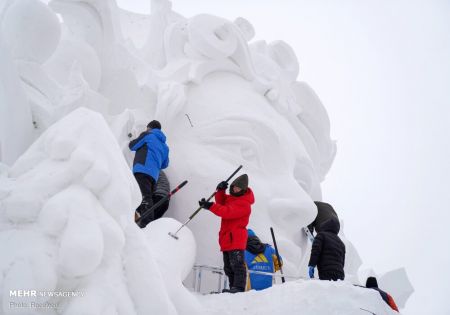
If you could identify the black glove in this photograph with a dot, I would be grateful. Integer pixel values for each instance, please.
(205, 204)
(222, 185)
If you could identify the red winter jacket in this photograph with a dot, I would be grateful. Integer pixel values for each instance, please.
(235, 213)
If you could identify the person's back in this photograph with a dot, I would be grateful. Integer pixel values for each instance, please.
(328, 252)
(152, 153)
(372, 283)
(259, 257)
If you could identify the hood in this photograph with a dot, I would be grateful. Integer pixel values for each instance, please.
(255, 246)
(324, 207)
(371, 282)
(159, 134)
(242, 183)
(331, 225)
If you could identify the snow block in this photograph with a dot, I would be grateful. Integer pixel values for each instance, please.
(81, 247)
(31, 29)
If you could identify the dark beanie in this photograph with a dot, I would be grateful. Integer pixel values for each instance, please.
(241, 182)
(371, 282)
(154, 124)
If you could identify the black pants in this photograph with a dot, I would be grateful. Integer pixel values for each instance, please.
(147, 185)
(331, 275)
(234, 267)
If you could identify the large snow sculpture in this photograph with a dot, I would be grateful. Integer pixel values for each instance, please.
(229, 114)
(66, 225)
(222, 102)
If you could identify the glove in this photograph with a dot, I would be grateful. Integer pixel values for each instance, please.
(222, 185)
(205, 204)
(311, 271)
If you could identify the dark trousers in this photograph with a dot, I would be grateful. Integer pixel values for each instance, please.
(147, 186)
(234, 267)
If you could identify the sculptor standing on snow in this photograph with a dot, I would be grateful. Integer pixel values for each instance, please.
(152, 155)
(234, 209)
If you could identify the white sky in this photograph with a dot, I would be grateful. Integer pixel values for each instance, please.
(382, 70)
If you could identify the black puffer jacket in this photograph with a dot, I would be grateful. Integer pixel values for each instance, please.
(162, 185)
(328, 251)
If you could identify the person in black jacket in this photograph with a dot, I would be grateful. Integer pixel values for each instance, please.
(328, 252)
(372, 283)
(324, 212)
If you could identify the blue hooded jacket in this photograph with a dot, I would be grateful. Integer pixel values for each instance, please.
(152, 153)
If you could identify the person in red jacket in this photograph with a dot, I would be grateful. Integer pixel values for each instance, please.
(234, 209)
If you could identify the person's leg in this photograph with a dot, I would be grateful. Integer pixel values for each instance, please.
(237, 263)
(159, 212)
(145, 183)
(227, 268)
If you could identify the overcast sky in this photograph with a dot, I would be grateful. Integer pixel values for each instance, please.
(382, 70)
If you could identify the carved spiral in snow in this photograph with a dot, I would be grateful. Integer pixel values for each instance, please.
(212, 37)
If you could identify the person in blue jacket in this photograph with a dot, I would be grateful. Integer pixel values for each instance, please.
(152, 155)
(260, 257)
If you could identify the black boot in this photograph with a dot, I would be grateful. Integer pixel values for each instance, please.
(236, 290)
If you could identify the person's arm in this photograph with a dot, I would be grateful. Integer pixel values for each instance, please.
(135, 144)
(220, 197)
(316, 250)
(232, 211)
(277, 263)
(311, 227)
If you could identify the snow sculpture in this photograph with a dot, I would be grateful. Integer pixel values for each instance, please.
(232, 114)
(31, 30)
(96, 24)
(16, 129)
(66, 225)
(175, 259)
(222, 101)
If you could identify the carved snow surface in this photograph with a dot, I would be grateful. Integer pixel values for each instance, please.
(71, 100)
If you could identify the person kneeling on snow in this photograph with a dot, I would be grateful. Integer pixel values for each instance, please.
(234, 209)
(372, 283)
(328, 252)
(152, 155)
(260, 257)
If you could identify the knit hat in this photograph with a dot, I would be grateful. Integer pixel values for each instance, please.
(371, 282)
(241, 182)
(154, 124)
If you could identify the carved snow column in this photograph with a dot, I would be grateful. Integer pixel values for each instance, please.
(30, 33)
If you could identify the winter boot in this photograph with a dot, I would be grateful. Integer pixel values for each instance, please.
(236, 290)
